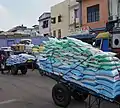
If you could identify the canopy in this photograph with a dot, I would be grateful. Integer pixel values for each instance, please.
(83, 36)
(103, 35)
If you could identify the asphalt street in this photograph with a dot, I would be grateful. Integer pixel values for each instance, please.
(32, 91)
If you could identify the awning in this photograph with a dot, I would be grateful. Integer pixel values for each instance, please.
(98, 29)
(83, 36)
(103, 35)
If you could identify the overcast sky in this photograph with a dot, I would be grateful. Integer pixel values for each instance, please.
(27, 12)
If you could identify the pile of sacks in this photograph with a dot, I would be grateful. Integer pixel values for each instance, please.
(82, 64)
(18, 59)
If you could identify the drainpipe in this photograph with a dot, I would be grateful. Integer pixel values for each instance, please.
(109, 11)
(118, 12)
(68, 17)
(80, 11)
(118, 8)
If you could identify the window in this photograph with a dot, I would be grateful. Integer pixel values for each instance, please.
(76, 12)
(53, 20)
(59, 18)
(93, 14)
(46, 34)
(59, 33)
(54, 33)
(45, 24)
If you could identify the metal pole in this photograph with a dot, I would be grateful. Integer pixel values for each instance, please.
(80, 4)
(68, 16)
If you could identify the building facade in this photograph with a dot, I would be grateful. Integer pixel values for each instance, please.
(45, 24)
(81, 16)
(75, 13)
(95, 13)
(114, 10)
(60, 19)
(23, 30)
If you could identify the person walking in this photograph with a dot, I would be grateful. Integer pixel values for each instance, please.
(2, 62)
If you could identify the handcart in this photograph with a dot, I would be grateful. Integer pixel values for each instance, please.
(60, 63)
(23, 67)
(14, 68)
(64, 90)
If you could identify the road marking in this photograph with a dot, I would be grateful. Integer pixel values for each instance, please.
(8, 101)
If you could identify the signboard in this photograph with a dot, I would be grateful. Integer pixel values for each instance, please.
(81, 30)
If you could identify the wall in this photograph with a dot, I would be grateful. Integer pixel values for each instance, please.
(43, 17)
(3, 42)
(35, 40)
(60, 9)
(103, 13)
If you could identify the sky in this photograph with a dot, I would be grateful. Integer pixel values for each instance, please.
(26, 12)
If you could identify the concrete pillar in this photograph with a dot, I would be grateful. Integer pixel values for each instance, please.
(113, 7)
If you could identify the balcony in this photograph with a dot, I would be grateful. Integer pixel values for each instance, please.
(73, 4)
(74, 22)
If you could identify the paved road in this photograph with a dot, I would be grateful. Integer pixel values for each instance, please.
(31, 91)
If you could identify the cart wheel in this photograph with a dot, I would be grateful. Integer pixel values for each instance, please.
(41, 72)
(79, 96)
(14, 70)
(117, 98)
(2, 71)
(61, 95)
(24, 70)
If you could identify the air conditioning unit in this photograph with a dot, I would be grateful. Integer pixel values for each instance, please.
(116, 41)
(112, 18)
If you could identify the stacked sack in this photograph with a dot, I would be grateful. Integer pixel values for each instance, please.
(82, 64)
(18, 59)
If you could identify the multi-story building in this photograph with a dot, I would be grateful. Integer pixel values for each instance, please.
(45, 24)
(33, 31)
(60, 19)
(96, 13)
(77, 15)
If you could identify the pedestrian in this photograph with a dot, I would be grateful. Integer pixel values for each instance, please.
(2, 62)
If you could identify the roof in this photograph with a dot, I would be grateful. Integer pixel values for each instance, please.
(35, 26)
(14, 29)
(83, 36)
(40, 18)
(103, 35)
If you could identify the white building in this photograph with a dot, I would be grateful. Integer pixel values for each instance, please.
(66, 18)
(25, 31)
(45, 24)
(60, 19)
(114, 9)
